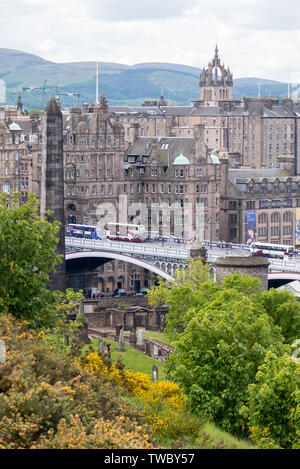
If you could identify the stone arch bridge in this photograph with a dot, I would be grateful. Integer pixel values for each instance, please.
(84, 256)
(159, 259)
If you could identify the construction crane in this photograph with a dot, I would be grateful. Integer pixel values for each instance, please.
(57, 89)
(43, 88)
(61, 92)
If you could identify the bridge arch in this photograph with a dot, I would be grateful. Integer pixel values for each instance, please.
(277, 279)
(80, 257)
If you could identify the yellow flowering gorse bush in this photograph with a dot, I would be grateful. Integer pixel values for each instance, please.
(48, 400)
(164, 404)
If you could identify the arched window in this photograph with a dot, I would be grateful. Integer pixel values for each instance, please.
(275, 217)
(110, 284)
(120, 282)
(262, 218)
(6, 187)
(287, 217)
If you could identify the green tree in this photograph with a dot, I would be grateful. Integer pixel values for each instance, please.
(273, 408)
(28, 255)
(284, 309)
(243, 283)
(67, 322)
(191, 286)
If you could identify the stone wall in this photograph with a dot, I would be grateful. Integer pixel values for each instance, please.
(98, 316)
(254, 266)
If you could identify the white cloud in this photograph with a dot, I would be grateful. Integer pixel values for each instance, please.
(255, 37)
(118, 10)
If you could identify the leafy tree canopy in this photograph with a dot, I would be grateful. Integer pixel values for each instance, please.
(284, 308)
(273, 408)
(28, 255)
(218, 354)
(220, 334)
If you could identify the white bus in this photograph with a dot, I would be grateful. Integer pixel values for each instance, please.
(125, 232)
(278, 251)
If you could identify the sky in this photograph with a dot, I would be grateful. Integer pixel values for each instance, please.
(258, 38)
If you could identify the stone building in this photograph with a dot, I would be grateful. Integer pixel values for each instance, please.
(260, 203)
(178, 184)
(254, 132)
(215, 82)
(233, 163)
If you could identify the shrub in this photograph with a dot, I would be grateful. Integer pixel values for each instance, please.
(49, 400)
(273, 408)
(164, 404)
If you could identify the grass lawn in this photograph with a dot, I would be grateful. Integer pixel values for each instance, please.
(160, 336)
(229, 441)
(134, 359)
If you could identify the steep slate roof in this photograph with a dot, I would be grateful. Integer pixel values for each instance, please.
(175, 146)
(247, 174)
(177, 110)
(206, 111)
(136, 110)
(24, 124)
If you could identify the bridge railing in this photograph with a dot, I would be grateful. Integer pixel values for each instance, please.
(128, 248)
(284, 265)
(219, 244)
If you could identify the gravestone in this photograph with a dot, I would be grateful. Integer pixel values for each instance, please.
(120, 347)
(118, 329)
(162, 324)
(155, 350)
(133, 337)
(100, 346)
(154, 373)
(140, 337)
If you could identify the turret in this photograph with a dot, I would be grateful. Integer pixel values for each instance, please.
(215, 82)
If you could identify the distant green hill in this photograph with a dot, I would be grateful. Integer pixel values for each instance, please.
(121, 84)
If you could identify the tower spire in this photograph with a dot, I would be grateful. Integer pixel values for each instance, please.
(216, 52)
